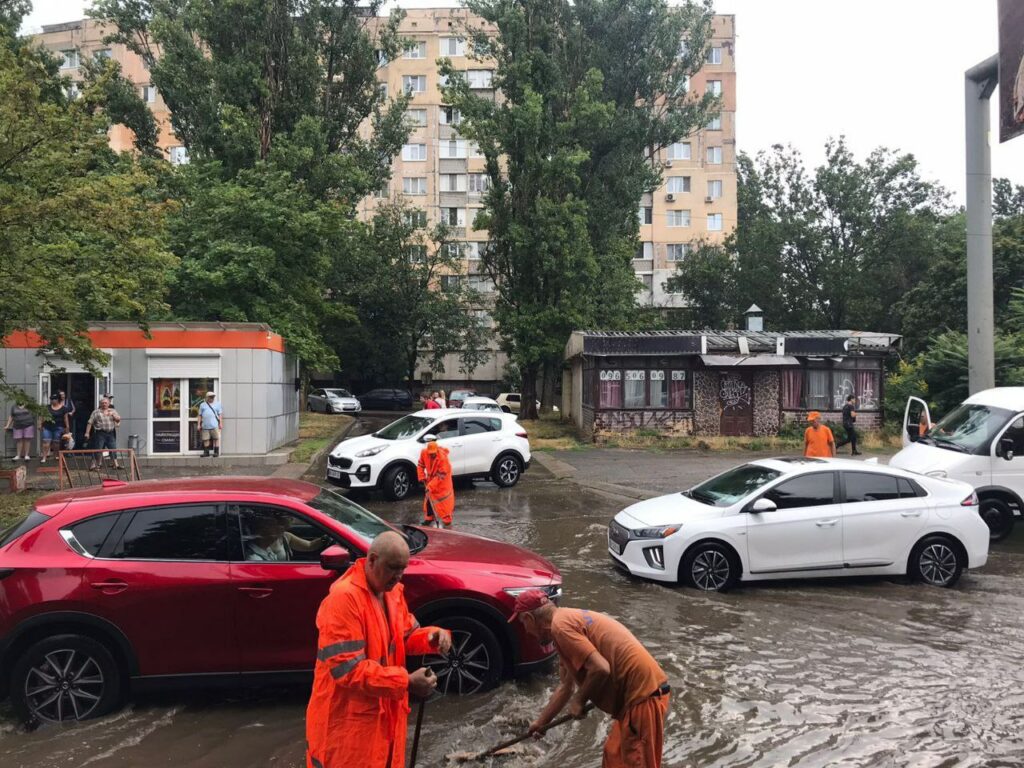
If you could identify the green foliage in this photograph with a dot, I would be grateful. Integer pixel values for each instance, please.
(944, 367)
(1007, 199)
(708, 278)
(905, 382)
(111, 95)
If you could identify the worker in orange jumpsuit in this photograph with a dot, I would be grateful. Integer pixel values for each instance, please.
(601, 661)
(435, 472)
(359, 708)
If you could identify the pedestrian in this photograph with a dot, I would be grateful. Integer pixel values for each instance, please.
(427, 402)
(601, 661)
(923, 424)
(359, 707)
(103, 424)
(818, 440)
(22, 424)
(849, 422)
(441, 399)
(434, 470)
(211, 422)
(53, 425)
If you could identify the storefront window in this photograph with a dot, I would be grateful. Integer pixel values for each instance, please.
(636, 383)
(817, 395)
(197, 389)
(611, 389)
(678, 396)
(659, 390)
(175, 416)
(792, 388)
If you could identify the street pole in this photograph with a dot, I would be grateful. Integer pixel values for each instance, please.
(979, 81)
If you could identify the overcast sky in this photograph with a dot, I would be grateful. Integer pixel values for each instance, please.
(881, 72)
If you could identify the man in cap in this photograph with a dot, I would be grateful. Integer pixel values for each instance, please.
(211, 422)
(818, 440)
(435, 472)
(601, 661)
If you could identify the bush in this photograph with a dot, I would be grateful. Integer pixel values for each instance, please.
(906, 381)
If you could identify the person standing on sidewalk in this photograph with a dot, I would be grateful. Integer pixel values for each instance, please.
(849, 420)
(53, 426)
(23, 426)
(211, 422)
(102, 425)
(818, 440)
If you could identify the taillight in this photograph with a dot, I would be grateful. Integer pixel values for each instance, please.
(971, 501)
(522, 434)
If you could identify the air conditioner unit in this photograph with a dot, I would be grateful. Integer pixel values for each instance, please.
(666, 164)
(670, 198)
(709, 199)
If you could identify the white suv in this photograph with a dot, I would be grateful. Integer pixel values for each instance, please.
(480, 444)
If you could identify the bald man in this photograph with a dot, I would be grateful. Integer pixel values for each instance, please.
(359, 708)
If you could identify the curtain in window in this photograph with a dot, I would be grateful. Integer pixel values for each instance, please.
(792, 388)
(659, 390)
(636, 382)
(611, 389)
(677, 396)
(817, 390)
(867, 390)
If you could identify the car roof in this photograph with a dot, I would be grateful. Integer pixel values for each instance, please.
(479, 398)
(800, 465)
(1010, 398)
(442, 413)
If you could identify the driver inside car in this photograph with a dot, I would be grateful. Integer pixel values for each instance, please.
(268, 538)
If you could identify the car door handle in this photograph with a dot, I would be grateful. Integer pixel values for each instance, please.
(455, 445)
(911, 513)
(256, 592)
(109, 587)
(826, 523)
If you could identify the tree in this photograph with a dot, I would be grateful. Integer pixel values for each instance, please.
(708, 276)
(81, 229)
(1007, 198)
(588, 92)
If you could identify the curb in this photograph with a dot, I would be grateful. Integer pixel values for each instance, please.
(292, 469)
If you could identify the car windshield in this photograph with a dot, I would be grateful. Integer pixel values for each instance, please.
(404, 428)
(728, 488)
(338, 392)
(968, 428)
(362, 522)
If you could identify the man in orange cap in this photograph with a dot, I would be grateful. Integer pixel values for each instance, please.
(435, 472)
(818, 440)
(601, 661)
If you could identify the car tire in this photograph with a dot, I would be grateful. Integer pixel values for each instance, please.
(475, 662)
(709, 567)
(936, 560)
(309, 406)
(397, 483)
(328, 408)
(506, 470)
(506, 409)
(50, 665)
(997, 516)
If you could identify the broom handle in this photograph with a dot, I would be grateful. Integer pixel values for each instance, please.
(553, 724)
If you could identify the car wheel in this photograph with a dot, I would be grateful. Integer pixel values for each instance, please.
(309, 406)
(474, 663)
(937, 561)
(397, 483)
(710, 567)
(65, 678)
(506, 409)
(506, 471)
(328, 408)
(998, 516)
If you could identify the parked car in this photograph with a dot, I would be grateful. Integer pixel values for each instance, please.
(477, 403)
(457, 396)
(332, 401)
(980, 442)
(386, 400)
(792, 518)
(151, 583)
(480, 444)
(510, 402)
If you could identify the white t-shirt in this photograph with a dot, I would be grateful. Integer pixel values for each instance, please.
(276, 552)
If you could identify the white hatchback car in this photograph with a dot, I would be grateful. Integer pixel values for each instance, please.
(790, 518)
(480, 444)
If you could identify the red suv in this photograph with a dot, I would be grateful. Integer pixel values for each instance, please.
(218, 580)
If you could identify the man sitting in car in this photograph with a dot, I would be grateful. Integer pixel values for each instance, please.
(270, 540)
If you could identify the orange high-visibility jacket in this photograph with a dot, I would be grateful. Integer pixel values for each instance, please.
(359, 707)
(435, 472)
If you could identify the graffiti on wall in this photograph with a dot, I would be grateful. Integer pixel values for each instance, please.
(843, 391)
(627, 420)
(865, 401)
(734, 392)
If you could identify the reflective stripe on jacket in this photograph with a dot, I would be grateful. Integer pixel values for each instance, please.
(435, 472)
(358, 710)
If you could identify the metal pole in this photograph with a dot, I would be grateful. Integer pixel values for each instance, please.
(979, 82)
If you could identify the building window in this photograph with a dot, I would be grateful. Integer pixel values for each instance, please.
(644, 251)
(178, 155)
(715, 124)
(417, 254)
(479, 183)
(714, 188)
(675, 251)
(480, 283)
(648, 282)
(414, 152)
(382, 58)
(450, 282)
(382, 192)
(416, 219)
(454, 217)
(678, 184)
(454, 250)
(679, 151)
(659, 390)
(417, 50)
(715, 87)
(70, 59)
(382, 89)
(149, 94)
(610, 394)
(678, 394)
(453, 182)
(714, 55)
(416, 117)
(479, 78)
(175, 416)
(453, 46)
(474, 150)
(414, 185)
(414, 83)
(450, 116)
(714, 155)
(792, 388)
(646, 214)
(103, 54)
(474, 250)
(636, 384)
(714, 222)
(678, 218)
(816, 393)
(453, 149)
(73, 91)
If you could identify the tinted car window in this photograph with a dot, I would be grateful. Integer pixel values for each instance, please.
(910, 489)
(805, 491)
(405, 427)
(22, 527)
(478, 425)
(92, 533)
(188, 532)
(870, 486)
(275, 535)
(1015, 432)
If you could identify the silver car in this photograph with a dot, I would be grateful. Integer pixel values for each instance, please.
(332, 401)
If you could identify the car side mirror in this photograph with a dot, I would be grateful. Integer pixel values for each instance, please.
(335, 558)
(1006, 448)
(762, 505)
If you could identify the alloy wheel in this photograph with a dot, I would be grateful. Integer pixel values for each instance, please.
(465, 668)
(937, 563)
(401, 484)
(710, 570)
(508, 471)
(66, 685)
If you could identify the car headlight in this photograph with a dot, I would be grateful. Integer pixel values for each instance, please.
(659, 532)
(370, 452)
(937, 473)
(554, 591)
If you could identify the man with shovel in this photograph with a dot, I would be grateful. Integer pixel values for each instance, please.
(601, 661)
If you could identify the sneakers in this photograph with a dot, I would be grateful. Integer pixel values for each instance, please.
(42, 461)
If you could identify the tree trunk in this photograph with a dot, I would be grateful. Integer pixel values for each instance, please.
(547, 385)
(528, 405)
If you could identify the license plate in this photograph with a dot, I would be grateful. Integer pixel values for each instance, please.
(616, 548)
(333, 472)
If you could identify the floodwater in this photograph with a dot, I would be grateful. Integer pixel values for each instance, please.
(862, 672)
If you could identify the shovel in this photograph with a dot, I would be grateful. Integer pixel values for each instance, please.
(465, 757)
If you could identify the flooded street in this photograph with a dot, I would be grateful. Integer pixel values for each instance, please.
(862, 672)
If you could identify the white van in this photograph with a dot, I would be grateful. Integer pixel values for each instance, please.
(980, 442)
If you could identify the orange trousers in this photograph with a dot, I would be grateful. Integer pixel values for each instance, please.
(636, 741)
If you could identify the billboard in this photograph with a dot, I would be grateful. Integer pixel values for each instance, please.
(1011, 69)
